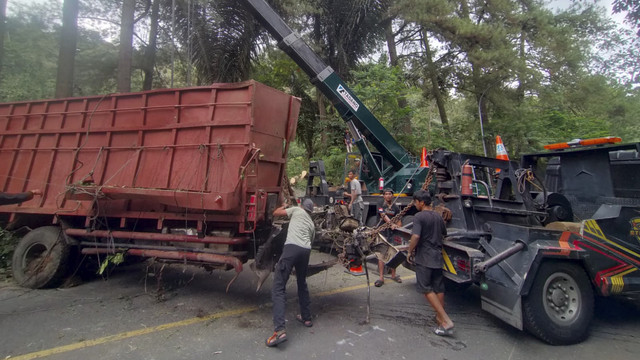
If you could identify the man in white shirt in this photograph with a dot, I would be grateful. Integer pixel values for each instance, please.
(296, 253)
(356, 204)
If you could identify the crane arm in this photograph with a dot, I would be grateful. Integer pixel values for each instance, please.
(350, 108)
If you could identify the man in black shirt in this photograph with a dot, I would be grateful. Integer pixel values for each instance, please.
(387, 210)
(425, 252)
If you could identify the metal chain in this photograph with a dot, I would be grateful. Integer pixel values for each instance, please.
(427, 181)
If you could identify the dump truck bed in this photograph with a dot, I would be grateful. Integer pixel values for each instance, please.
(152, 154)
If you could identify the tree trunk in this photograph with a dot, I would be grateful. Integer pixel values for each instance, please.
(67, 54)
(521, 71)
(435, 88)
(391, 42)
(3, 17)
(393, 61)
(322, 110)
(150, 51)
(126, 46)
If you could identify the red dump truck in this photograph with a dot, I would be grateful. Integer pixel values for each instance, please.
(189, 175)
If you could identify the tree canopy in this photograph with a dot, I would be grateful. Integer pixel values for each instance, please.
(436, 73)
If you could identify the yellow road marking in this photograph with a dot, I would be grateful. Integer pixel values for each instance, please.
(130, 334)
(149, 330)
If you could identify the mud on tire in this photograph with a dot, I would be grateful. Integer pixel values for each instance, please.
(41, 258)
(559, 307)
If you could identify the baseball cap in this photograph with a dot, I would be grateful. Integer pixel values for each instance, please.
(307, 204)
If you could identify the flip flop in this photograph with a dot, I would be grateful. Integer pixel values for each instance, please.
(277, 338)
(307, 323)
(397, 279)
(440, 331)
(378, 283)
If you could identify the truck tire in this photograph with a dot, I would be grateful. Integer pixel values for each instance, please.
(41, 258)
(559, 307)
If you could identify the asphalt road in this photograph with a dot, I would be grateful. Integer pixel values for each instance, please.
(128, 316)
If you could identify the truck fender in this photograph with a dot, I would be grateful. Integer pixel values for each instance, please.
(566, 255)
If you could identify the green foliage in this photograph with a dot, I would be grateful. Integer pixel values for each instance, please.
(114, 259)
(7, 245)
(96, 66)
(334, 165)
(379, 86)
(29, 67)
(632, 10)
(297, 162)
(31, 55)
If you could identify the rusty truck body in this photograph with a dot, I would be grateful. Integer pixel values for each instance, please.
(189, 175)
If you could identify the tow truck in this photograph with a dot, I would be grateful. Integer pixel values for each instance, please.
(537, 264)
(553, 231)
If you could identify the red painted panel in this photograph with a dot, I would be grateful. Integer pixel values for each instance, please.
(155, 152)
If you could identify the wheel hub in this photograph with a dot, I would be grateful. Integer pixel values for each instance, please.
(562, 299)
(558, 297)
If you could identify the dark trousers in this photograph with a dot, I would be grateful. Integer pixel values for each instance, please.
(293, 256)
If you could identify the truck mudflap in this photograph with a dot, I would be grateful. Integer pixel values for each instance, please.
(501, 284)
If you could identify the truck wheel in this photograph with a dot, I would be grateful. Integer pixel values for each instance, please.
(559, 307)
(41, 258)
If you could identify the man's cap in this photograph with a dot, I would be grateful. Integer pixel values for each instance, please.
(307, 204)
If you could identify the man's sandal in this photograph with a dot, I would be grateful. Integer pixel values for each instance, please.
(378, 283)
(397, 279)
(306, 323)
(441, 331)
(277, 338)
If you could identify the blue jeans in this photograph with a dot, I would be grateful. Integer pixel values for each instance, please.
(293, 256)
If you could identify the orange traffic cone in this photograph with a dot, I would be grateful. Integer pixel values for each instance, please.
(423, 159)
(501, 152)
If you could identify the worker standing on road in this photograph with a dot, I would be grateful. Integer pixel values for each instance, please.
(356, 204)
(7, 198)
(387, 209)
(296, 253)
(425, 252)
